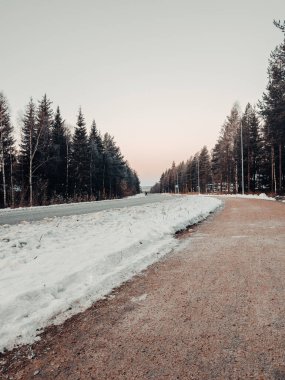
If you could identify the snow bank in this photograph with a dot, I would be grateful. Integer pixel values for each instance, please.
(57, 267)
(245, 196)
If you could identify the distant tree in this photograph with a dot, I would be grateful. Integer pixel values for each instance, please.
(224, 160)
(182, 177)
(188, 174)
(251, 149)
(205, 169)
(136, 183)
(279, 25)
(173, 177)
(156, 188)
(130, 184)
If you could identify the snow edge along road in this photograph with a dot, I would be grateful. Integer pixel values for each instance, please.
(55, 268)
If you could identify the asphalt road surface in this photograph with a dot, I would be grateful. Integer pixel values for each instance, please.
(14, 216)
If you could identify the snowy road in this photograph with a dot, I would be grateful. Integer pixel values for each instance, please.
(9, 216)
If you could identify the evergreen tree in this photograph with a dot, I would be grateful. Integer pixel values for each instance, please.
(58, 161)
(224, 159)
(6, 154)
(95, 146)
(204, 169)
(113, 168)
(272, 109)
(43, 154)
(136, 181)
(79, 158)
(251, 150)
(218, 165)
(189, 182)
(28, 149)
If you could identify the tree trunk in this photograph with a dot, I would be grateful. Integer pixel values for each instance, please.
(90, 177)
(67, 171)
(12, 182)
(3, 173)
(31, 170)
(280, 167)
(248, 171)
(103, 182)
(236, 178)
(31, 183)
(273, 174)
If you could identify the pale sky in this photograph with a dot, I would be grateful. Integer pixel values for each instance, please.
(159, 75)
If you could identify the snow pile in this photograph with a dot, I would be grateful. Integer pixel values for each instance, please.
(54, 268)
(246, 196)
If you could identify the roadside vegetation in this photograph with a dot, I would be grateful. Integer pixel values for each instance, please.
(249, 155)
(53, 163)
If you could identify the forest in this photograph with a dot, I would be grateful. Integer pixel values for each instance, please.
(52, 165)
(249, 153)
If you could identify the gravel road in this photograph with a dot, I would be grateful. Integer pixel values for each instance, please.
(215, 309)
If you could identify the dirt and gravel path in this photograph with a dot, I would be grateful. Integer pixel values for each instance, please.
(214, 310)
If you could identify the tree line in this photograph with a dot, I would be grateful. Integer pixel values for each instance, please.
(52, 165)
(249, 154)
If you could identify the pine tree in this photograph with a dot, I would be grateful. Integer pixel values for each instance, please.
(224, 159)
(272, 109)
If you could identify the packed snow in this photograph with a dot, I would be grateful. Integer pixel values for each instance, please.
(56, 267)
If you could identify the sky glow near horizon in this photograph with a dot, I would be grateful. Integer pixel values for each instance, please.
(160, 76)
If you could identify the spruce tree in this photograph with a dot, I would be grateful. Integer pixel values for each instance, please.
(95, 148)
(28, 149)
(43, 155)
(205, 169)
(79, 158)
(57, 166)
(113, 168)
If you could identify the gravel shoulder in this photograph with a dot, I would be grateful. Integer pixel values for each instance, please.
(213, 310)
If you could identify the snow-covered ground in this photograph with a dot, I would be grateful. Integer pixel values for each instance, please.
(245, 196)
(56, 267)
